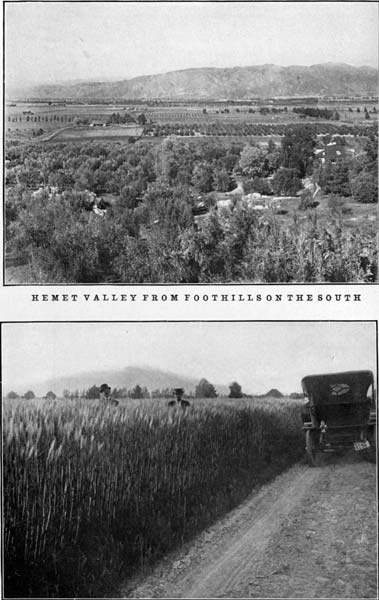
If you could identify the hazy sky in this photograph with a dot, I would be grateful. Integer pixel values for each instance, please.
(58, 41)
(258, 355)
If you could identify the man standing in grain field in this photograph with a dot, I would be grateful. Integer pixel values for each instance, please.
(179, 403)
(105, 395)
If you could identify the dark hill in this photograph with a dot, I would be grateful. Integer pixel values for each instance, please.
(128, 377)
(219, 83)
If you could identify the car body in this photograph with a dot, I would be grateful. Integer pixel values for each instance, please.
(339, 413)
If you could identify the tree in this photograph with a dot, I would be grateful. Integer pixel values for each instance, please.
(174, 160)
(259, 185)
(334, 177)
(141, 119)
(93, 393)
(272, 158)
(145, 392)
(202, 178)
(30, 395)
(12, 395)
(364, 187)
(137, 392)
(251, 162)
(297, 149)
(221, 180)
(235, 390)
(273, 393)
(204, 389)
(286, 182)
(50, 395)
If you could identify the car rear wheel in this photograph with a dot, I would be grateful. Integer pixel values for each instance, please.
(312, 448)
(370, 453)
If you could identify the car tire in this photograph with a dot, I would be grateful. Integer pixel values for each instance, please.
(370, 453)
(312, 449)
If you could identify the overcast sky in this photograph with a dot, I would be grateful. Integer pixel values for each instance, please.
(258, 355)
(48, 42)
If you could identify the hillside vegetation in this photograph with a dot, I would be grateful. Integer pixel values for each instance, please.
(92, 492)
(148, 232)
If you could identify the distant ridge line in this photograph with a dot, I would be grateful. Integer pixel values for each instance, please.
(234, 83)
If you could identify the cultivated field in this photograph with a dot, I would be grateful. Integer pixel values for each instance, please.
(92, 492)
(69, 134)
(22, 117)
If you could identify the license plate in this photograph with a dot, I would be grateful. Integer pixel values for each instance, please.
(361, 445)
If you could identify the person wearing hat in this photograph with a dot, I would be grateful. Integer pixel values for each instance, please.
(105, 395)
(179, 402)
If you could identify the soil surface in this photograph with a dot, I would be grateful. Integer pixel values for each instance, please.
(311, 533)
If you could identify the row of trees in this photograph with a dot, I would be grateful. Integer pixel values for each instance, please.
(318, 113)
(29, 395)
(243, 129)
(204, 389)
(126, 117)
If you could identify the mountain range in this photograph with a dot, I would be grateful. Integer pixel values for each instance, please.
(127, 377)
(236, 83)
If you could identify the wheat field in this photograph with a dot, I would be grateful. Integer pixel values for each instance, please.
(93, 492)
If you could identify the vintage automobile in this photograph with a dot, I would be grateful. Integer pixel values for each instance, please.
(339, 413)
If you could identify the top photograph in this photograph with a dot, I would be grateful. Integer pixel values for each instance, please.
(190, 143)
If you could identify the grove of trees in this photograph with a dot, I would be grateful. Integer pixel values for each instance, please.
(148, 233)
(205, 389)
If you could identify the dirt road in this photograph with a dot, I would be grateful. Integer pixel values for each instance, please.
(311, 533)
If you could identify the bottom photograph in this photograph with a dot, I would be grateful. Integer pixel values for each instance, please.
(189, 459)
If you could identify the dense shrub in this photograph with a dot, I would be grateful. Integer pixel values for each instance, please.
(364, 187)
(149, 234)
(286, 182)
(231, 245)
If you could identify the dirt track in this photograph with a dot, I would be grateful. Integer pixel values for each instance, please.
(311, 533)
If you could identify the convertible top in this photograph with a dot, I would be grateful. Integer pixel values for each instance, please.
(349, 387)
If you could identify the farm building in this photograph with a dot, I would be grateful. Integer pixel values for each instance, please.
(225, 200)
(238, 191)
(333, 151)
(228, 199)
(48, 189)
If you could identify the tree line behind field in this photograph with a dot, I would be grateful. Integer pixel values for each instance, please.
(148, 232)
(204, 389)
